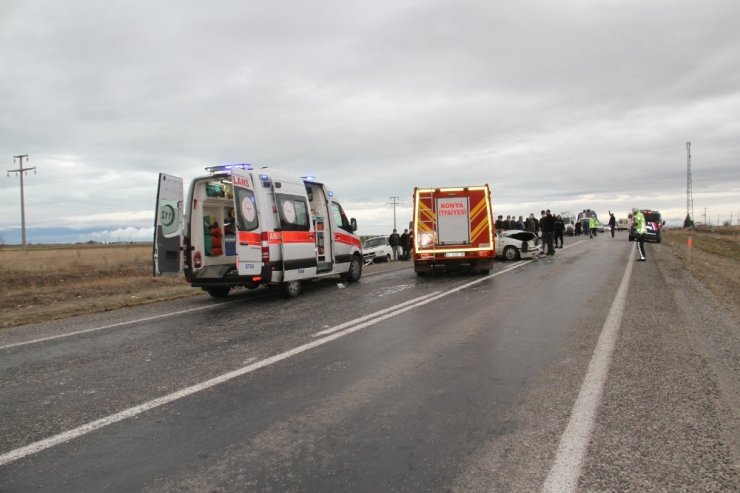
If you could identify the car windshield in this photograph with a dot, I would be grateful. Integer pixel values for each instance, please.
(652, 216)
(374, 242)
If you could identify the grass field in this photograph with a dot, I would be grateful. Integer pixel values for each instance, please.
(47, 283)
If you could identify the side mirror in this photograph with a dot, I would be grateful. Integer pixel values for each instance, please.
(353, 223)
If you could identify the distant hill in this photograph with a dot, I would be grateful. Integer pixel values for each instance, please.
(100, 234)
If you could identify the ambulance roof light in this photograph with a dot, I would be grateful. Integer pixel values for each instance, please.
(226, 168)
(308, 178)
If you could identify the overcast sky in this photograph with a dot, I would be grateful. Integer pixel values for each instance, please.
(563, 105)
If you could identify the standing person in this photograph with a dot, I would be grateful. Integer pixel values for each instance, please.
(542, 228)
(547, 223)
(394, 240)
(530, 223)
(577, 228)
(559, 231)
(592, 227)
(641, 229)
(612, 222)
(507, 222)
(500, 223)
(405, 244)
(520, 224)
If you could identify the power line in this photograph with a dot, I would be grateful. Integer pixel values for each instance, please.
(22, 171)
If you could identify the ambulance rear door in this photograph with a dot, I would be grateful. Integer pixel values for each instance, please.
(248, 227)
(297, 234)
(168, 224)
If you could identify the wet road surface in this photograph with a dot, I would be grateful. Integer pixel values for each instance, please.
(395, 383)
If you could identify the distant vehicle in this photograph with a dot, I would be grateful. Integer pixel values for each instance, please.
(654, 224)
(513, 244)
(453, 228)
(583, 218)
(623, 224)
(377, 250)
(569, 222)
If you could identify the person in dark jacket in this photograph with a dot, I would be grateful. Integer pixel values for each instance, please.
(394, 240)
(547, 223)
(559, 231)
(500, 223)
(405, 244)
(612, 222)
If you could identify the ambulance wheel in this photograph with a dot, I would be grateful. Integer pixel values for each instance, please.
(219, 291)
(290, 289)
(355, 269)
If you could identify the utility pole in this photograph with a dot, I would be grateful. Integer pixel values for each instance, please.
(394, 202)
(22, 171)
(689, 186)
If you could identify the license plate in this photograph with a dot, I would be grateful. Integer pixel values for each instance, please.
(454, 254)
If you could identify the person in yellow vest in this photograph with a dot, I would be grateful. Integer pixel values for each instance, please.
(593, 223)
(638, 219)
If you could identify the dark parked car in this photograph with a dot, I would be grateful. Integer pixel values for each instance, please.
(654, 225)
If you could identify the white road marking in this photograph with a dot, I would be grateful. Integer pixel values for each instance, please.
(566, 468)
(131, 412)
(120, 324)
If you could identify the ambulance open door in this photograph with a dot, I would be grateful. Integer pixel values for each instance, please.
(249, 239)
(168, 226)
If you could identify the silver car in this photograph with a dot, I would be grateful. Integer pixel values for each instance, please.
(377, 250)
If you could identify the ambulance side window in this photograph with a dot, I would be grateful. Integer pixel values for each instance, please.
(339, 217)
(293, 211)
(246, 210)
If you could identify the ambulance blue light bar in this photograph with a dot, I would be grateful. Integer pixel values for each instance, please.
(308, 178)
(226, 168)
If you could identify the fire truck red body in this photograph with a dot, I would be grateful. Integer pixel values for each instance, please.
(453, 228)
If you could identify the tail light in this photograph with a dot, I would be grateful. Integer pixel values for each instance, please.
(265, 247)
(197, 260)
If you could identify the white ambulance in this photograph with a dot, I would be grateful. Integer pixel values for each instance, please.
(248, 227)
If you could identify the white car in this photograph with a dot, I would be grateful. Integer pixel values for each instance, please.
(377, 250)
(514, 244)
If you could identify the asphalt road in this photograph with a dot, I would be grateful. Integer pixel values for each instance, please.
(586, 371)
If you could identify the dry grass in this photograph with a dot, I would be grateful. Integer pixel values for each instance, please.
(45, 283)
(713, 259)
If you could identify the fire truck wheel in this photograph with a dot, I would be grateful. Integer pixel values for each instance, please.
(485, 272)
(355, 269)
(290, 289)
(219, 291)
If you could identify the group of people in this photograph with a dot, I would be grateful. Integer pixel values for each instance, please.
(550, 228)
(400, 244)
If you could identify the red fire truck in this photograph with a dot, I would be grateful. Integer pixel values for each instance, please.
(453, 228)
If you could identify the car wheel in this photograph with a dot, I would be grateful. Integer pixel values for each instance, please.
(511, 253)
(219, 291)
(388, 258)
(290, 289)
